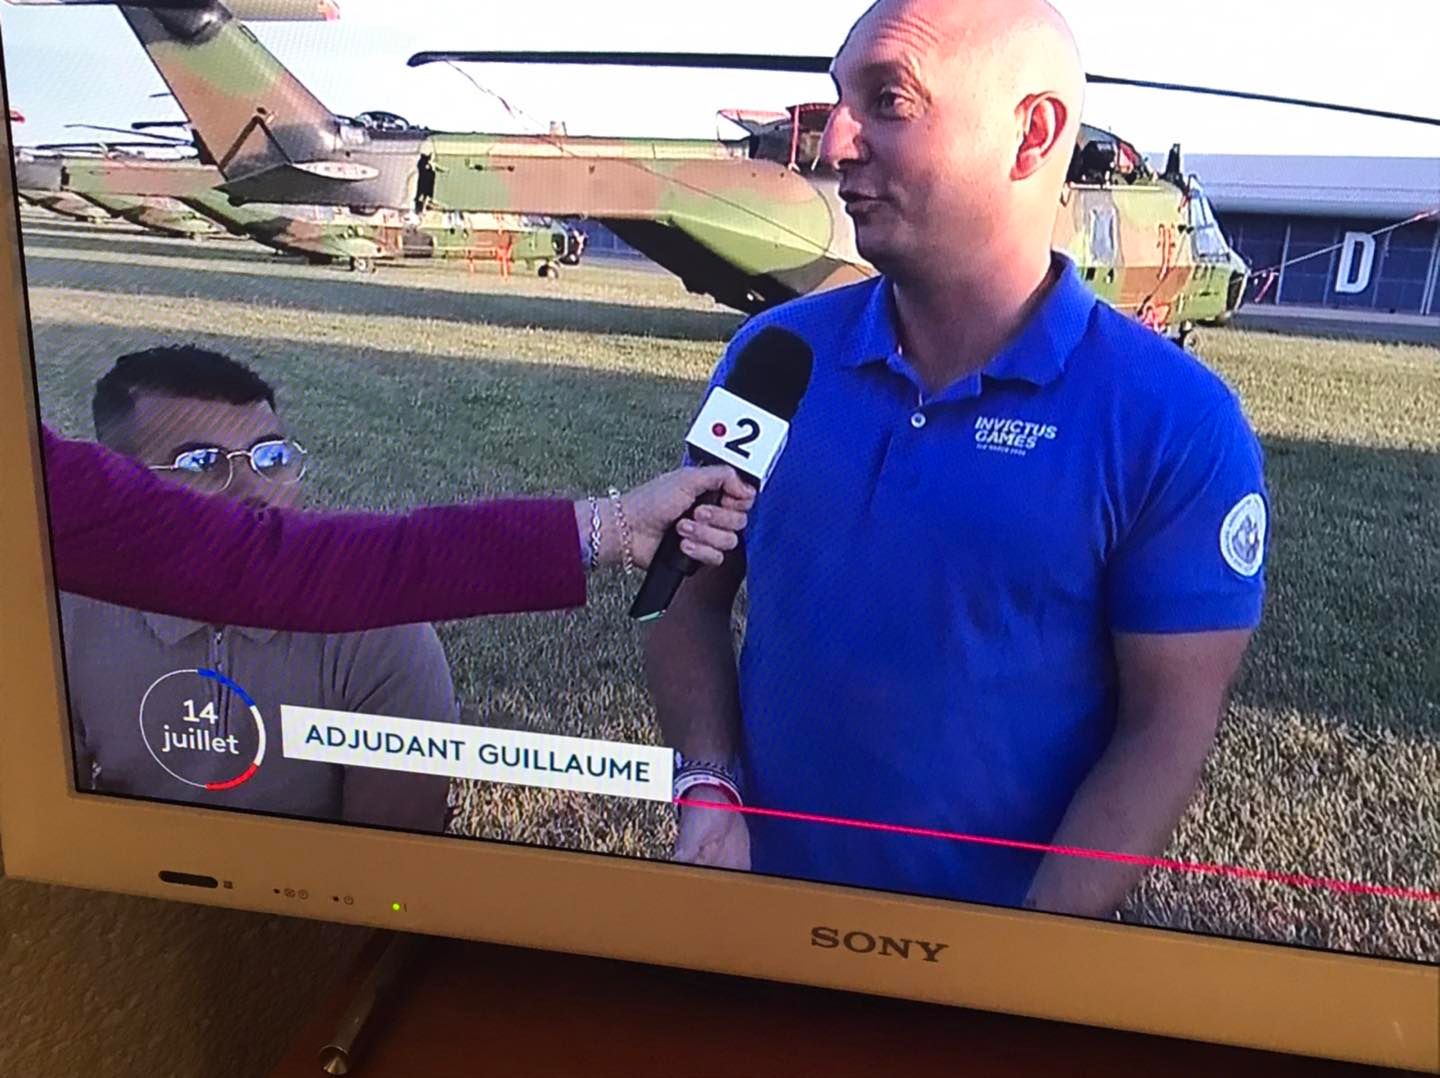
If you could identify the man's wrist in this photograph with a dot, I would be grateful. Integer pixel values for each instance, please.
(695, 774)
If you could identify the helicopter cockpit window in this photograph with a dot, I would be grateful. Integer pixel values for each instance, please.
(812, 120)
(377, 120)
(352, 133)
(1210, 245)
(1101, 158)
(781, 143)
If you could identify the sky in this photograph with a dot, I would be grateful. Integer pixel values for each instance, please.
(82, 65)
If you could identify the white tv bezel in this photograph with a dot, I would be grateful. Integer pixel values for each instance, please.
(1120, 976)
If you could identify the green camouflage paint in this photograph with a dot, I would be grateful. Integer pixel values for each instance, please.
(321, 233)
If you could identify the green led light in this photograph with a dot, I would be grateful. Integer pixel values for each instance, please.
(396, 907)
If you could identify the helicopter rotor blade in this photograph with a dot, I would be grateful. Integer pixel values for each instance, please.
(101, 146)
(94, 147)
(736, 61)
(820, 65)
(164, 140)
(1275, 99)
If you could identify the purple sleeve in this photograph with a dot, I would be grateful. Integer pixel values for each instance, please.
(123, 536)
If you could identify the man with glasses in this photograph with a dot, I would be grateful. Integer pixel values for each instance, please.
(204, 421)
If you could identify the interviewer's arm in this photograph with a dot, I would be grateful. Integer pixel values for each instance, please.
(690, 662)
(1172, 692)
(123, 536)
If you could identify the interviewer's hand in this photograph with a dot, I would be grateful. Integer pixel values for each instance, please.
(712, 837)
(651, 509)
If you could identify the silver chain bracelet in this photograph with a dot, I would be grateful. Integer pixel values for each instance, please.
(625, 548)
(594, 532)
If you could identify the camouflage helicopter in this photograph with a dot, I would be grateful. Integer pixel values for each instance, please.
(363, 237)
(752, 222)
(160, 192)
(64, 204)
(158, 213)
(60, 203)
(141, 188)
(154, 212)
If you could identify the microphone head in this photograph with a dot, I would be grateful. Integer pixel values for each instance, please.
(772, 372)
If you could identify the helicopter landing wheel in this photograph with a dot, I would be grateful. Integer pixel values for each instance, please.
(362, 265)
(1188, 337)
(549, 271)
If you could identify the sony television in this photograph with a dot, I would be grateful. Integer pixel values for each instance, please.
(292, 254)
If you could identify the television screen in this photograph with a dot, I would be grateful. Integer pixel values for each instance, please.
(1100, 583)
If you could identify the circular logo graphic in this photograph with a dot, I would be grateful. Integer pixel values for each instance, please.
(719, 430)
(1242, 536)
(185, 722)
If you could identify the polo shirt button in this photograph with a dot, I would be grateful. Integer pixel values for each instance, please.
(918, 420)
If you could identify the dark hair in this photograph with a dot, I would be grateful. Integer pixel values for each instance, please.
(172, 371)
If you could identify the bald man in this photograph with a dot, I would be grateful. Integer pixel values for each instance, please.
(1013, 555)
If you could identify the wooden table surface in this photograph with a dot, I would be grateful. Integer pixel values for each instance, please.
(476, 1009)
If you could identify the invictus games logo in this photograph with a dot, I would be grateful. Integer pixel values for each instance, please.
(1242, 535)
(1013, 436)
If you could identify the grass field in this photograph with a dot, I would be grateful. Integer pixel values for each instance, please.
(426, 384)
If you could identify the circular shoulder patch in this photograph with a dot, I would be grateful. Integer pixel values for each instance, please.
(1242, 536)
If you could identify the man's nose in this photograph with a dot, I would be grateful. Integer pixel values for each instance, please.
(840, 144)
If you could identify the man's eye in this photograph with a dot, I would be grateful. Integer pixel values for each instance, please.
(888, 101)
(271, 455)
(198, 460)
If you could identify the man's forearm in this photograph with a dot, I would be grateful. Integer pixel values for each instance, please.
(690, 661)
(1130, 803)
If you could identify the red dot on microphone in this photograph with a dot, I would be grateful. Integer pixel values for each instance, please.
(718, 430)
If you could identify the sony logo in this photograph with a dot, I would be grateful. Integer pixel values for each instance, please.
(885, 946)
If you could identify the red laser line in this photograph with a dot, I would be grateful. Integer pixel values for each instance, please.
(1289, 879)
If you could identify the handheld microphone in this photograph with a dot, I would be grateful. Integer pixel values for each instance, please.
(745, 423)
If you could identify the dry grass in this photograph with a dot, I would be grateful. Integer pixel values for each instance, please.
(426, 384)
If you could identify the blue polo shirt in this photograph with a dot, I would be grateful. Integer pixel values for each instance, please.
(934, 581)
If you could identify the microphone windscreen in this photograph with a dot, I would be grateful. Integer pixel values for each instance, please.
(772, 372)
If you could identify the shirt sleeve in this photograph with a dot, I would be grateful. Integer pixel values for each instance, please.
(121, 535)
(1193, 559)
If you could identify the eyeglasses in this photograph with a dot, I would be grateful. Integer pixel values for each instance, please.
(210, 471)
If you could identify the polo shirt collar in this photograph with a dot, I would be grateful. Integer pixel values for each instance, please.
(875, 339)
(1037, 355)
(170, 630)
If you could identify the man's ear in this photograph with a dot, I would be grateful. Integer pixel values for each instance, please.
(1041, 120)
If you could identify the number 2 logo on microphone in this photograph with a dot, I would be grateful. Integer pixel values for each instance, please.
(738, 432)
(737, 445)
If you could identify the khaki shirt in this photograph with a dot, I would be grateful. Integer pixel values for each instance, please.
(115, 655)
